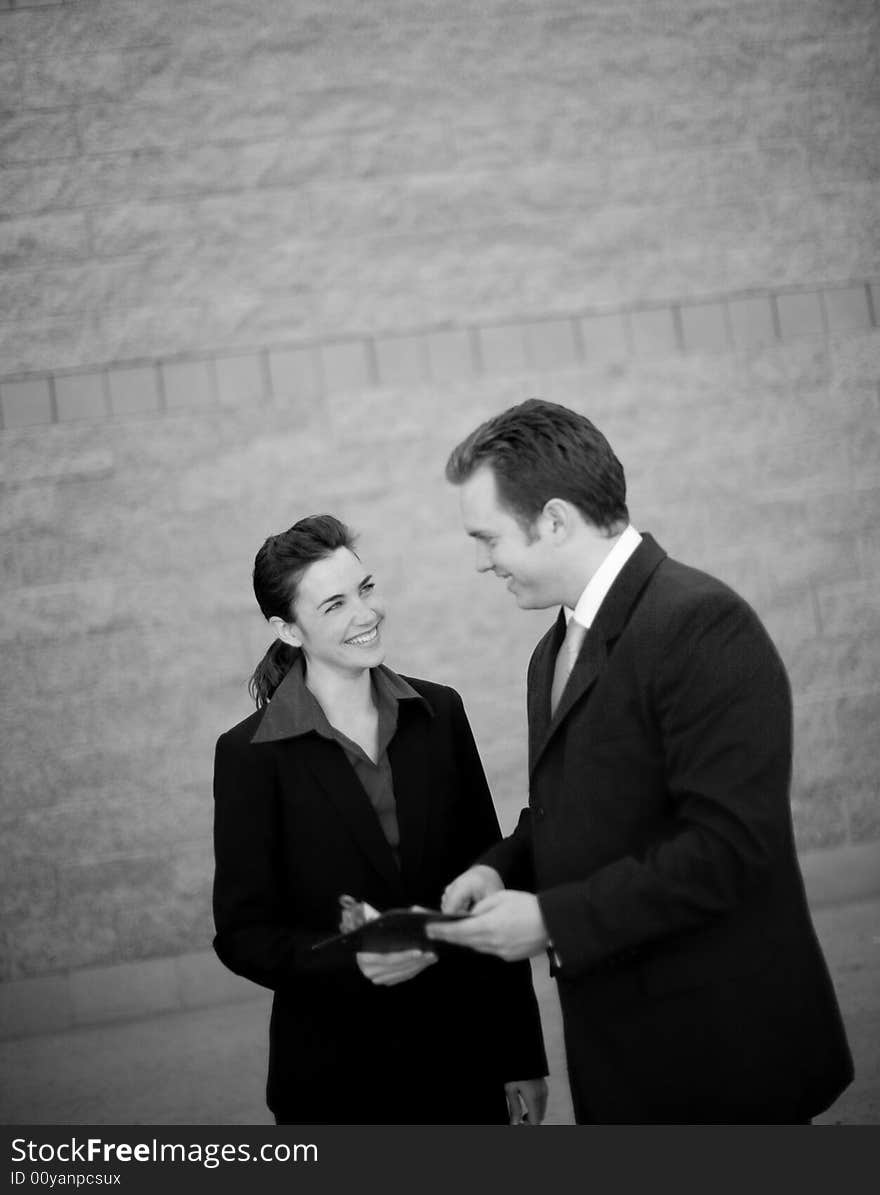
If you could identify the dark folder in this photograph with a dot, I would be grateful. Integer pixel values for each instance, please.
(395, 929)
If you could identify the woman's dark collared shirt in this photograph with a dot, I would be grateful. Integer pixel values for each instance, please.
(294, 710)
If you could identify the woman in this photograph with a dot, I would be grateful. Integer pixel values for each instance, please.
(350, 779)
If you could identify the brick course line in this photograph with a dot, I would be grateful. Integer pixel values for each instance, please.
(21, 5)
(518, 326)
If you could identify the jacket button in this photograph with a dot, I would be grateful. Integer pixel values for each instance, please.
(539, 812)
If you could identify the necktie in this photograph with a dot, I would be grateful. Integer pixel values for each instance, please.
(565, 658)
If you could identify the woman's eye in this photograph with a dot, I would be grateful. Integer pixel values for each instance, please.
(333, 606)
(368, 587)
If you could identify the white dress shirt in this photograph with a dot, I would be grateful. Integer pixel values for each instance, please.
(603, 578)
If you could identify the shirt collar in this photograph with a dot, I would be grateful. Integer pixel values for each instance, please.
(294, 710)
(604, 577)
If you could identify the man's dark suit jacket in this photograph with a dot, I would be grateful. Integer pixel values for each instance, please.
(294, 829)
(659, 840)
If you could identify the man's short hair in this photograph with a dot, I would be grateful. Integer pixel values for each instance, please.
(540, 450)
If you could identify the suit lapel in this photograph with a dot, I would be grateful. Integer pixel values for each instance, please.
(623, 596)
(408, 753)
(337, 778)
(540, 684)
(610, 620)
(586, 671)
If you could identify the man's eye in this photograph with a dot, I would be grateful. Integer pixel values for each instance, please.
(368, 587)
(332, 606)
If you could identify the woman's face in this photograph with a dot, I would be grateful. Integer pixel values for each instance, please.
(338, 615)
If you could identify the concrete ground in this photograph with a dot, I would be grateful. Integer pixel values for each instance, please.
(207, 1066)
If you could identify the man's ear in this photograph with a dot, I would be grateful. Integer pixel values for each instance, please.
(285, 631)
(557, 519)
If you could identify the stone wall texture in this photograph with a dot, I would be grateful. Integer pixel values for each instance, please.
(265, 258)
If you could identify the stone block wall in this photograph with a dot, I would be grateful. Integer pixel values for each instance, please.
(262, 259)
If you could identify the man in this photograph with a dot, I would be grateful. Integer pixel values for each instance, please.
(656, 860)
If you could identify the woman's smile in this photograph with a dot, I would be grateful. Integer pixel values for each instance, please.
(365, 638)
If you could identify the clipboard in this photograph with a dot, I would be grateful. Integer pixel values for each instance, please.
(395, 929)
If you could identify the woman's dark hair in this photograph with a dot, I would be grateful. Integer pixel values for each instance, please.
(540, 450)
(278, 568)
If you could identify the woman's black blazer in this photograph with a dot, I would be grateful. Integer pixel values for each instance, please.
(293, 830)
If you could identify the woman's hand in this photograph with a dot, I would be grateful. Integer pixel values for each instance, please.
(395, 967)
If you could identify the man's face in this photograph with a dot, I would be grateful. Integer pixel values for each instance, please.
(527, 562)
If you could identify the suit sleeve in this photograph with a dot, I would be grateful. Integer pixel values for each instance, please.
(513, 1015)
(512, 856)
(255, 934)
(722, 703)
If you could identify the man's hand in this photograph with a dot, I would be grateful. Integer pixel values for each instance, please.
(508, 924)
(468, 888)
(526, 1100)
(394, 967)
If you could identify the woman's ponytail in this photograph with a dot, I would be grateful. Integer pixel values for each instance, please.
(271, 671)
